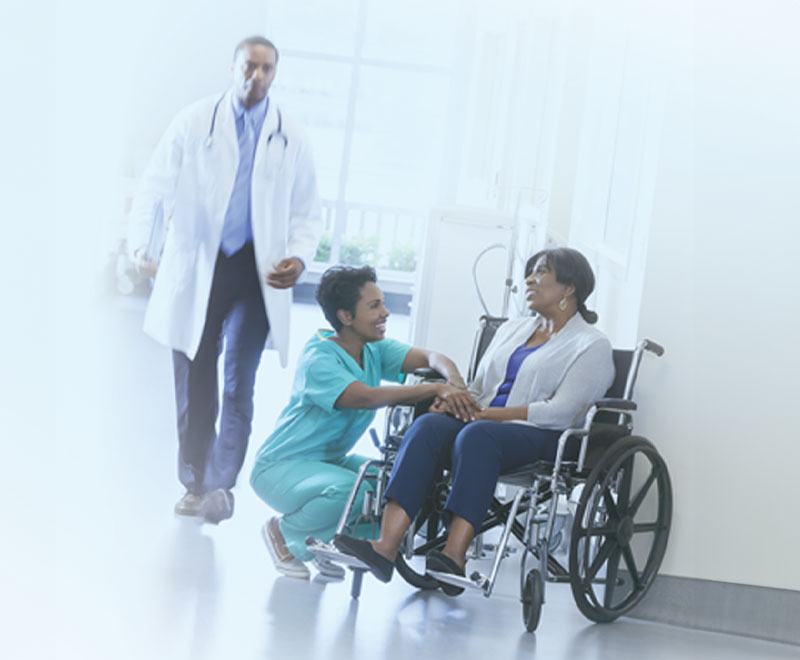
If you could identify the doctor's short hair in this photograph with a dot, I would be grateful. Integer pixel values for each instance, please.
(571, 268)
(256, 41)
(340, 288)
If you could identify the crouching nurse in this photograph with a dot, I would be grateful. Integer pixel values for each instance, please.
(304, 469)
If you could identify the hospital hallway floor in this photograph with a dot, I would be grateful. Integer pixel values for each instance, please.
(95, 565)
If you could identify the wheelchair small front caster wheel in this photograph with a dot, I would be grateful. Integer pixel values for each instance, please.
(532, 599)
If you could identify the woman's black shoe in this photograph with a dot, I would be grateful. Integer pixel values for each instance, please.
(380, 567)
(436, 560)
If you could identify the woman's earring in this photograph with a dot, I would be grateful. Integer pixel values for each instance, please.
(562, 305)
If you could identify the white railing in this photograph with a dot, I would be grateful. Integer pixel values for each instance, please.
(387, 238)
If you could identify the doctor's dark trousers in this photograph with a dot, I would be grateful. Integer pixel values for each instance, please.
(476, 455)
(236, 318)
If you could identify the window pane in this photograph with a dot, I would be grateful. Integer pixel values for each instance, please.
(412, 31)
(397, 143)
(318, 26)
(380, 237)
(315, 93)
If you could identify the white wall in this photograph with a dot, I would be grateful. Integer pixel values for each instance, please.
(720, 293)
(719, 282)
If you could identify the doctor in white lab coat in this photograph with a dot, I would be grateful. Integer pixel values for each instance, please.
(234, 177)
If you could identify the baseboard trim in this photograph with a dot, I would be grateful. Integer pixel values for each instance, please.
(761, 612)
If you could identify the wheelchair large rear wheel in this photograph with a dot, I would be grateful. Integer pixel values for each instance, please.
(621, 528)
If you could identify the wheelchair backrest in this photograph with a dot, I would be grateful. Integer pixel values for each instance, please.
(487, 327)
(622, 365)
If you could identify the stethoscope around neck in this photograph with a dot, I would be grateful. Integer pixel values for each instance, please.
(275, 133)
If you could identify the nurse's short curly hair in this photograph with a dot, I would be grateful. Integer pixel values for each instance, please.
(340, 288)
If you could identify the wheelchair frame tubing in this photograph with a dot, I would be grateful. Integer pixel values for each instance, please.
(362, 474)
(501, 547)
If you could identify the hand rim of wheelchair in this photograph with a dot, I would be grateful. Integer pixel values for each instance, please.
(614, 540)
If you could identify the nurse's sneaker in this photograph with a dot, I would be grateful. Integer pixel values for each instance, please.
(218, 505)
(189, 505)
(285, 562)
(328, 568)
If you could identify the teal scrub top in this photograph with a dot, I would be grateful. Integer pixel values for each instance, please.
(310, 427)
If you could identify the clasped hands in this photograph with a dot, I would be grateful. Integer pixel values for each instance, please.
(458, 402)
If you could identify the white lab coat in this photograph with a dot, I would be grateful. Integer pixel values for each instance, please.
(195, 181)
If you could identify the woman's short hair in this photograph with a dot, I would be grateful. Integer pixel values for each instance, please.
(340, 288)
(571, 268)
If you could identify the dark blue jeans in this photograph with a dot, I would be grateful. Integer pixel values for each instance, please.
(476, 454)
(235, 317)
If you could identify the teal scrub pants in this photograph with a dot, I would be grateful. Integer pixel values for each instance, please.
(312, 495)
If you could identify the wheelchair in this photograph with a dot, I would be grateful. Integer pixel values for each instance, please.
(619, 499)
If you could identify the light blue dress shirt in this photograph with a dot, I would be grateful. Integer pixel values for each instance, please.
(238, 229)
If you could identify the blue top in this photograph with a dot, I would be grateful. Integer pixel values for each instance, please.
(310, 427)
(514, 363)
(237, 229)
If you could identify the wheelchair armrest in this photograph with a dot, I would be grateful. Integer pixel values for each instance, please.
(428, 374)
(615, 404)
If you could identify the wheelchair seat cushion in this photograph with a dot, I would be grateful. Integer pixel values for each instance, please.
(379, 566)
(524, 474)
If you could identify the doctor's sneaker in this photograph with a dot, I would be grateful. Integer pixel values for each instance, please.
(328, 568)
(285, 562)
(218, 505)
(189, 505)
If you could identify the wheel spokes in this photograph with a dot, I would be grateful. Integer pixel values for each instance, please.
(600, 531)
(612, 568)
(624, 476)
(630, 562)
(608, 542)
(611, 505)
(600, 558)
(639, 498)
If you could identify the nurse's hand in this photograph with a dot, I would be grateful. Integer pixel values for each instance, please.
(459, 402)
(144, 266)
(285, 273)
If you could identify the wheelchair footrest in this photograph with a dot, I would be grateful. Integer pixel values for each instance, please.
(329, 552)
(475, 581)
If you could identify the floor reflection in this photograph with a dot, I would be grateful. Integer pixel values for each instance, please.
(188, 611)
(119, 577)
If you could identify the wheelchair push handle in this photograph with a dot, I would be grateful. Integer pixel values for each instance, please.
(653, 347)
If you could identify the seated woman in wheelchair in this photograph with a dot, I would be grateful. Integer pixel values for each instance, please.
(303, 469)
(542, 373)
